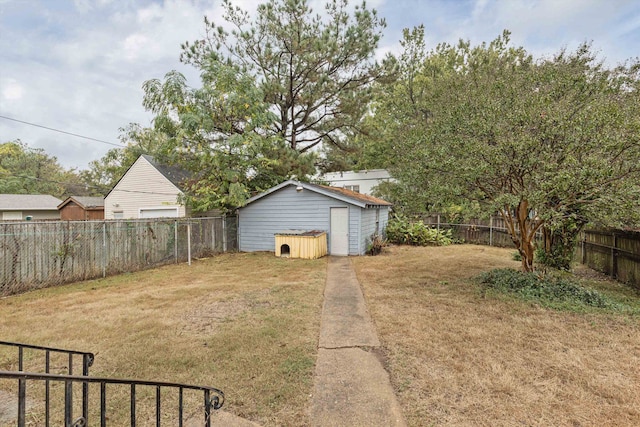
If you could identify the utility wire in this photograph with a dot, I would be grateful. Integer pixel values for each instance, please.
(61, 131)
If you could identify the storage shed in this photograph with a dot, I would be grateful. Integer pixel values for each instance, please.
(348, 218)
(80, 208)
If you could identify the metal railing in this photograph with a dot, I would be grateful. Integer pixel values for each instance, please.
(212, 398)
(87, 361)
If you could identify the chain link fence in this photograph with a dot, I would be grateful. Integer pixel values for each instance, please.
(41, 254)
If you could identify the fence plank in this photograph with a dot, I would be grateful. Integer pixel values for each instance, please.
(40, 254)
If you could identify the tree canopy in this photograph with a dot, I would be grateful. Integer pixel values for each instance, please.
(551, 144)
(273, 89)
(26, 170)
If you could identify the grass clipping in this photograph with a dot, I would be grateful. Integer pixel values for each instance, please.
(546, 290)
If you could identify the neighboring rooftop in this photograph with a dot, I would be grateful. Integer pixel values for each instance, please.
(28, 202)
(85, 201)
(176, 175)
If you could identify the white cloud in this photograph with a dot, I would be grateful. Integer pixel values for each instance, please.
(11, 90)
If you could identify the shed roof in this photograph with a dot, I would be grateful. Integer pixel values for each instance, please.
(30, 202)
(84, 201)
(348, 196)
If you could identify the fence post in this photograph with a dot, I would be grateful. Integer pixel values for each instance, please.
(104, 249)
(438, 228)
(189, 242)
(175, 240)
(582, 247)
(490, 230)
(614, 258)
(224, 233)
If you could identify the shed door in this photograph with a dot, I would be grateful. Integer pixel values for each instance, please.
(339, 231)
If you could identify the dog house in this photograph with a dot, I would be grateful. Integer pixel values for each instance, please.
(301, 244)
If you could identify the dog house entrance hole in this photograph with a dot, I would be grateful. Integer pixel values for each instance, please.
(285, 251)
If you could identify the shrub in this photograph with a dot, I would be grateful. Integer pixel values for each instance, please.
(547, 290)
(400, 230)
(376, 244)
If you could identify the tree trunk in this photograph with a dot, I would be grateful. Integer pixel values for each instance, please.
(522, 229)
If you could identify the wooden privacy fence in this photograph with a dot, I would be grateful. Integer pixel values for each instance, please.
(490, 232)
(40, 254)
(613, 252)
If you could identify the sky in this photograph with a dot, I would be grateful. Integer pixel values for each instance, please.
(79, 65)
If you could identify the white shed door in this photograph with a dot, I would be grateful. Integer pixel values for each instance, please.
(159, 213)
(339, 231)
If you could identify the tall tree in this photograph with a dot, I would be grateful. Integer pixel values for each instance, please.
(26, 170)
(550, 144)
(273, 89)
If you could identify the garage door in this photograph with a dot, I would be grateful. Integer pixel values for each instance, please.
(159, 213)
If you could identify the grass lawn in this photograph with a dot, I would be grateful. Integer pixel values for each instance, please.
(457, 356)
(245, 323)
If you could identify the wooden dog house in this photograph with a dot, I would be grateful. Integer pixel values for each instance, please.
(301, 244)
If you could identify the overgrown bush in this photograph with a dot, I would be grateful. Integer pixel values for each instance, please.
(547, 290)
(402, 231)
(376, 244)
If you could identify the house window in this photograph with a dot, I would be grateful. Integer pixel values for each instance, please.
(355, 188)
(118, 215)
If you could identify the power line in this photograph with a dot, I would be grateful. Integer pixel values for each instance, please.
(61, 131)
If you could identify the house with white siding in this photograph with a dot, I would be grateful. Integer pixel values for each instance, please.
(21, 207)
(349, 218)
(147, 190)
(363, 181)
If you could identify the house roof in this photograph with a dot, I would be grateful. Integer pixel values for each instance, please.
(173, 173)
(358, 199)
(28, 202)
(85, 202)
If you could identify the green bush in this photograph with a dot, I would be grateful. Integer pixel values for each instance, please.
(401, 231)
(548, 291)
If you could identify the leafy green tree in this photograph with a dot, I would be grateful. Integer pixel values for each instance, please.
(550, 144)
(26, 170)
(273, 89)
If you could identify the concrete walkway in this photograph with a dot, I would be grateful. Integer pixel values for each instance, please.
(351, 387)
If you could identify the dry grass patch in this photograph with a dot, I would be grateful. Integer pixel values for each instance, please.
(245, 323)
(456, 358)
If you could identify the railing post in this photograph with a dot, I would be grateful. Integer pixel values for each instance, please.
(22, 397)
(85, 389)
(207, 409)
(158, 408)
(68, 403)
(47, 389)
(103, 404)
(133, 405)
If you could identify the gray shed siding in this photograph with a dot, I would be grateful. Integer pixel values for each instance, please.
(287, 209)
(369, 224)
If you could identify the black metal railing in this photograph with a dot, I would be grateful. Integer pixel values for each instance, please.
(87, 361)
(213, 399)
